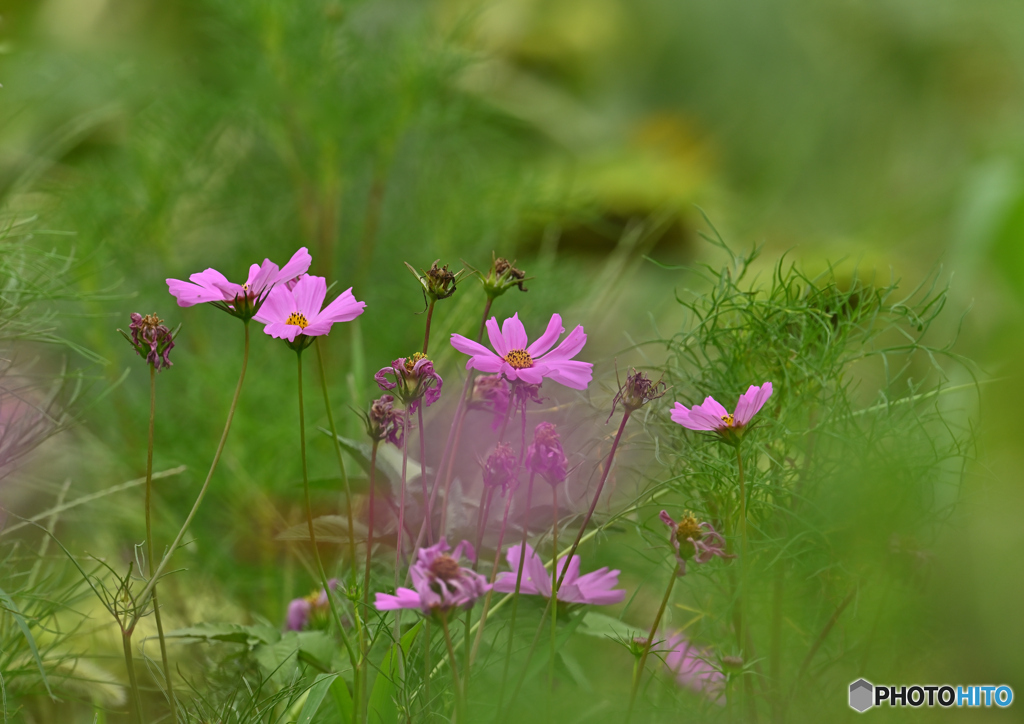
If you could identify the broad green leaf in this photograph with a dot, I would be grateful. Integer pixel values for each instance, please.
(342, 700)
(315, 697)
(328, 529)
(8, 603)
(382, 708)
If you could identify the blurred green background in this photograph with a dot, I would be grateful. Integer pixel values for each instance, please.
(579, 136)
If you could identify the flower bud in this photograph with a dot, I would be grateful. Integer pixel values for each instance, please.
(501, 277)
(545, 456)
(501, 468)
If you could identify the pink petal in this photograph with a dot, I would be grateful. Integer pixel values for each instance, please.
(278, 306)
(343, 309)
(189, 294)
(296, 266)
(569, 347)
(571, 373)
(280, 330)
(404, 598)
(514, 333)
(683, 416)
(309, 296)
(494, 334)
(537, 574)
(751, 402)
(468, 346)
(712, 407)
(530, 375)
(546, 340)
(261, 277)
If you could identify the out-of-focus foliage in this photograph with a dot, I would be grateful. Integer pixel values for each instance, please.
(161, 138)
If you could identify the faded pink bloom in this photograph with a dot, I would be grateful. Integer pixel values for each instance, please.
(302, 610)
(691, 668)
(295, 314)
(241, 300)
(545, 456)
(517, 359)
(440, 582)
(597, 587)
(151, 340)
(699, 541)
(710, 415)
(383, 423)
(414, 379)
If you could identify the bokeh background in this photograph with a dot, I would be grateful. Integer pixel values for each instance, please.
(583, 138)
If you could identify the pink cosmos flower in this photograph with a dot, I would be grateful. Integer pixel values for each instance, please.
(517, 359)
(595, 588)
(690, 665)
(441, 583)
(242, 300)
(699, 541)
(295, 313)
(710, 415)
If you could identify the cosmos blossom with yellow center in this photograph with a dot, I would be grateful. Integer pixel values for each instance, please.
(515, 358)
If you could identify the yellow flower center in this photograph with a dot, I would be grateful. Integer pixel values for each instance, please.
(519, 359)
(727, 419)
(297, 318)
(410, 362)
(688, 527)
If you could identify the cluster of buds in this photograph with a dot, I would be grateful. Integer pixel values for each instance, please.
(693, 539)
(502, 468)
(383, 423)
(151, 339)
(501, 277)
(545, 456)
(637, 392)
(437, 282)
(414, 380)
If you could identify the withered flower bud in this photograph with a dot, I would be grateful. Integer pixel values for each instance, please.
(501, 468)
(545, 456)
(637, 392)
(151, 339)
(501, 277)
(383, 423)
(437, 282)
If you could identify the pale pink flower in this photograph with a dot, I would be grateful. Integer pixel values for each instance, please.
(597, 587)
(691, 667)
(710, 415)
(296, 313)
(302, 610)
(242, 300)
(517, 359)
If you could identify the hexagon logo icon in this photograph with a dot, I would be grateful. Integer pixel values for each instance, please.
(861, 695)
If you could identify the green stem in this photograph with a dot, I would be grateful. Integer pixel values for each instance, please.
(149, 541)
(126, 640)
(309, 521)
(639, 672)
(148, 590)
(554, 587)
(348, 507)
(426, 333)
(455, 669)
(515, 594)
(494, 573)
(366, 576)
